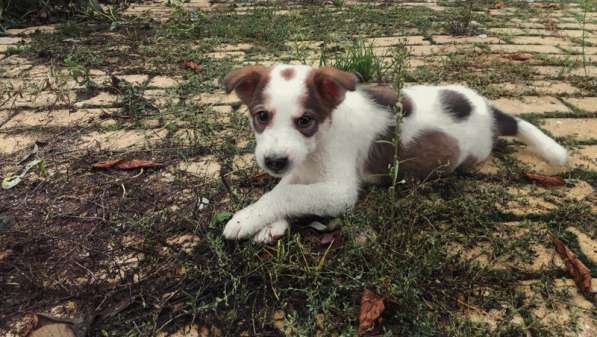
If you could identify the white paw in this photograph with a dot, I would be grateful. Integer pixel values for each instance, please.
(271, 233)
(244, 223)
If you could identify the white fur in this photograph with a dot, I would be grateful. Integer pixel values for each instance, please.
(327, 169)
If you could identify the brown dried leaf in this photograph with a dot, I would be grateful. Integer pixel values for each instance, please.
(106, 164)
(519, 56)
(372, 306)
(499, 5)
(136, 163)
(193, 66)
(551, 181)
(576, 269)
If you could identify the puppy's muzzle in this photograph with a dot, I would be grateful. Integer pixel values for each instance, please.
(276, 164)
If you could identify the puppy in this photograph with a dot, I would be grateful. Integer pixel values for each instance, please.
(324, 135)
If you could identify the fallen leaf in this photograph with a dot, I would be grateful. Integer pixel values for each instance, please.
(193, 66)
(318, 226)
(371, 308)
(327, 238)
(122, 164)
(135, 164)
(552, 181)
(499, 5)
(519, 56)
(576, 269)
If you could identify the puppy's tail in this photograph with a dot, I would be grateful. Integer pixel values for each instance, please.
(529, 134)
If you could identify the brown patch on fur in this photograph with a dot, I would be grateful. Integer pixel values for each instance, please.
(383, 95)
(469, 162)
(287, 74)
(429, 154)
(248, 83)
(407, 106)
(326, 88)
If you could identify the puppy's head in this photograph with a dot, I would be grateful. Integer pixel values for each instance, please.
(290, 109)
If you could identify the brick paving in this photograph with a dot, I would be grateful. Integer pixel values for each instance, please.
(32, 111)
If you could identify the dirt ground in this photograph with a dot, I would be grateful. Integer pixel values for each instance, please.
(107, 252)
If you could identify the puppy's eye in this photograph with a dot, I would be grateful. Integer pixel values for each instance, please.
(304, 122)
(262, 117)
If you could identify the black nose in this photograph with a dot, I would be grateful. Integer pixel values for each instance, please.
(276, 164)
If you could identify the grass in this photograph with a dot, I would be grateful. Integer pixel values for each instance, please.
(409, 245)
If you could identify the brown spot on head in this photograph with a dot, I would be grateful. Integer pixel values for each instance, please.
(326, 88)
(287, 74)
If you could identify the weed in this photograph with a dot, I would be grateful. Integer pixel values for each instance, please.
(360, 59)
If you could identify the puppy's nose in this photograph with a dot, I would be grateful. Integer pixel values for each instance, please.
(276, 164)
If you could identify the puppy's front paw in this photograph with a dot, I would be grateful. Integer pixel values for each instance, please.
(244, 223)
(271, 233)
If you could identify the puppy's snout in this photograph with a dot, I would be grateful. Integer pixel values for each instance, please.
(276, 164)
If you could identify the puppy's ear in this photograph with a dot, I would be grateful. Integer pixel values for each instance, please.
(244, 81)
(332, 84)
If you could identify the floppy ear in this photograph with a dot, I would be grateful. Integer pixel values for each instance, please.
(332, 84)
(244, 81)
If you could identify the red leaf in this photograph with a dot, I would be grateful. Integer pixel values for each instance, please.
(193, 66)
(122, 164)
(106, 164)
(327, 238)
(545, 180)
(135, 164)
(372, 307)
(576, 269)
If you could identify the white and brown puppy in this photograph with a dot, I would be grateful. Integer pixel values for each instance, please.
(319, 131)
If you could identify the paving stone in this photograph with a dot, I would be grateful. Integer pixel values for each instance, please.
(536, 88)
(233, 47)
(207, 167)
(578, 128)
(134, 79)
(587, 245)
(11, 40)
(164, 82)
(218, 98)
(120, 139)
(588, 104)
(388, 41)
(447, 39)
(103, 99)
(236, 55)
(439, 49)
(531, 104)
(535, 238)
(12, 143)
(31, 30)
(584, 158)
(580, 50)
(523, 48)
(14, 70)
(540, 32)
(43, 99)
(55, 118)
(542, 40)
(572, 310)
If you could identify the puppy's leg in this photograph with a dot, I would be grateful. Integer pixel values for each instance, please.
(271, 232)
(328, 198)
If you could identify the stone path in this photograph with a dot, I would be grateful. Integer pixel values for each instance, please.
(41, 104)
